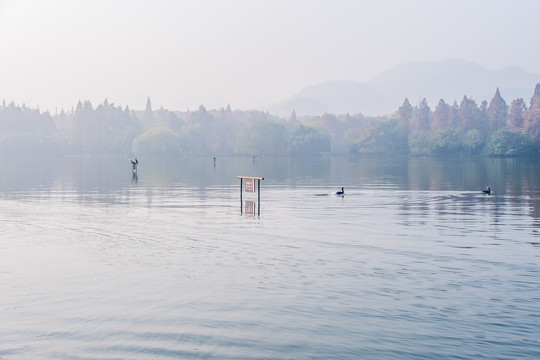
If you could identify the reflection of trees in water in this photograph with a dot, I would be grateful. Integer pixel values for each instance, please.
(19, 173)
(535, 213)
(514, 182)
(458, 182)
(522, 185)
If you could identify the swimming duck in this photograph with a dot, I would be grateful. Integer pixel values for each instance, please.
(342, 192)
(487, 190)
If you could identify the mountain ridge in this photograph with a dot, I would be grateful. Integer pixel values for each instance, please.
(449, 80)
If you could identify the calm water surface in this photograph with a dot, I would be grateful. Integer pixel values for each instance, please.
(414, 262)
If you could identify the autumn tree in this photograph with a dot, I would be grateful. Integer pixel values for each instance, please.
(404, 116)
(535, 100)
(405, 112)
(470, 115)
(441, 116)
(453, 115)
(497, 112)
(421, 117)
(517, 112)
(531, 120)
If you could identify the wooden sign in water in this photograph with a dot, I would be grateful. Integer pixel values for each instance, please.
(250, 185)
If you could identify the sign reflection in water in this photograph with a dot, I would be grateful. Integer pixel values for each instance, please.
(249, 207)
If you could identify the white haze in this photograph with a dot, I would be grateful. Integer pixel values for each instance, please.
(244, 53)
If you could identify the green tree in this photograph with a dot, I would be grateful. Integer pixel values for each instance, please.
(85, 136)
(473, 140)
(380, 137)
(223, 134)
(350, 137)
(261, 136)
(193, 139)
(510, 143)
(446, 142)
(158, 141)
(420, 143)
(200, 116)
(307, 140)
(174, 122)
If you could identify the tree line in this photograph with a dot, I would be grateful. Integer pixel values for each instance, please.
(108, 129)
(493, 129)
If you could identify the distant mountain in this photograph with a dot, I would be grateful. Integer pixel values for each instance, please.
(449, 80)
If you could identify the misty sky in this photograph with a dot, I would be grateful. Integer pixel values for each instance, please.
(244, 53)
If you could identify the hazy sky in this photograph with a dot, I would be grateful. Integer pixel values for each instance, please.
(245, 53)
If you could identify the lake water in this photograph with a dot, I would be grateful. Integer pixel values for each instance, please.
(414, 262)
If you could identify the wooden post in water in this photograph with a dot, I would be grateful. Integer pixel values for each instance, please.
(134, 169)
(241, 204)
(258, 197)
(250, 187)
